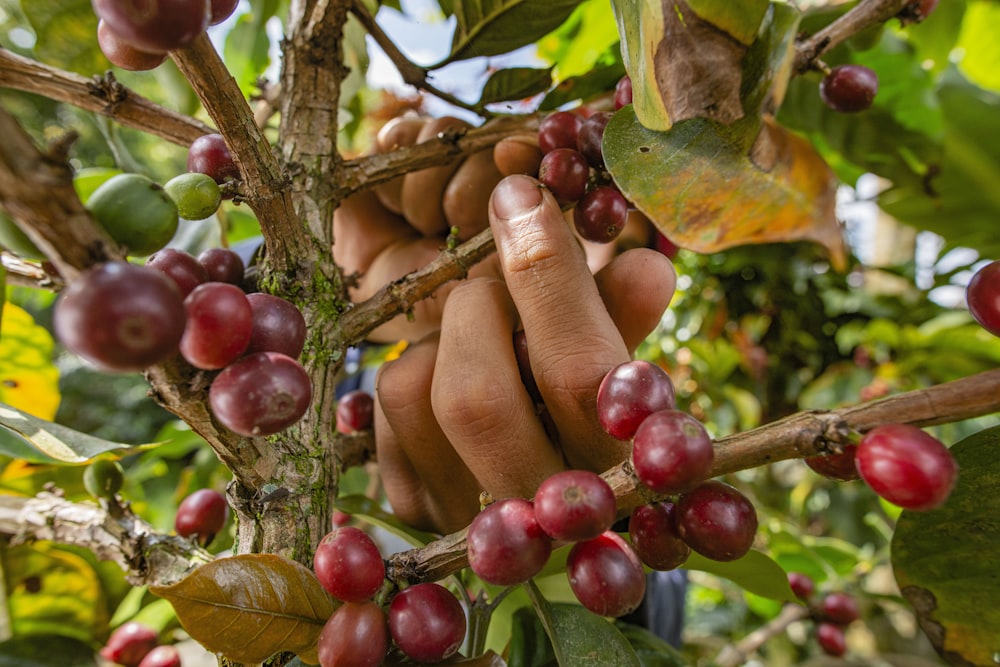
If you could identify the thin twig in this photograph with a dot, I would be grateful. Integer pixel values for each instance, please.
(866, 14)
(734, 655)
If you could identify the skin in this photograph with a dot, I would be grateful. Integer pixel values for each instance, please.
(452, 417)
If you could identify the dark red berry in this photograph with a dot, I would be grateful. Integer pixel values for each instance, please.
(591, 137)
(575, 505)
(717, 521)
(566, 173)
(606, 575)
(849, 88)
(629, 393)
(155, 25)
(162, 656)
(260, 394)
(208, 154)
(506, 545)
(831, 639)
(201, 515)
(181, 267)
(129, 643)
(222, 265)
(355, 411)
(802, 585)
(355, 636)
(219, 325)
(348, 564)
(839, 608)
(906, 466)
(655, 538)
(427, 622)
(123, 54)
(671, 452)
(840, 467)
(623, 92)
(278, 325)
(222, 10)
(983, 297)
(601, 215)
(558, 130)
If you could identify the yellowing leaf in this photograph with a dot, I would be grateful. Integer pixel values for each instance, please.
(252, 606)
(28, 378)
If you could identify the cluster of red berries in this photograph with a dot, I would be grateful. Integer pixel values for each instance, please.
(133, 644)
(832, 615)
(425, 621)
(138, 34)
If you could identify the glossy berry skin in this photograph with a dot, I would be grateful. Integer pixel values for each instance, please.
(840, 467)
(121, 317)
(601, 214)
(575, 505)
(260, 394)
(906, 466)
(606, 575)
(717, 521)
(156, 26)
(278, 325)
(629, 393)
(655, 538)
(122, 54)
(355, 636)
(849, 88)
(427, 623)
(219, 325)
(202, 515)
(506, 546)
(181, 267)
(355, 411)
(558, 130)
(162, 656)
(983, 296)
(802, 585)
(222, 265)
(208, 154)
(591, 136)
(839, 608)
(565, 172)
(129, 643)
(831, 639)
(671, 452)
(221, 10)
(348, 564)
(623, 92)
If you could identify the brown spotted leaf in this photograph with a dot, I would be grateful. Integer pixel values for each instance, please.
(250, 607)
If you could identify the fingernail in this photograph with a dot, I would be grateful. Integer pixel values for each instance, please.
(515, 196)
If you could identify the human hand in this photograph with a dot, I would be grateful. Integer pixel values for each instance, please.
(453, 417)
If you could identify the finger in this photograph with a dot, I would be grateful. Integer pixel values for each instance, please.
(399, 132)
(572, 340)
(363, 228)
(447, 493)
(423, 190)
(479, 400)
(636, 288)
(467, 195)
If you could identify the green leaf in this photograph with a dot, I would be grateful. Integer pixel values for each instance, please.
(981, 62)
(246, 50)
(54, 440)
(46, 651)
(600, 78)
(529, 645)
(66, 34)
(580, 637)
(369, 510)
(28, 378)
(492, 27)
(740, 20)
(651, 650)
(515, 83)
(277, 604)
(945, 560)
(756, 572)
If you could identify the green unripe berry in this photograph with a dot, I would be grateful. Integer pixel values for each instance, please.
(197, 195)
(103, 478)
(135, 212)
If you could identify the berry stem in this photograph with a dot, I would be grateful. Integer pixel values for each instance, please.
(866, 14)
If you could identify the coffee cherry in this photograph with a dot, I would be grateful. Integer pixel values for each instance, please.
(201, 515)
(219, 325)
(355, 411)
(655, 538)
(355, 636)
(221, 10)
(849, 88)
(839, 608)
(123, 54)
(906, 466)
(623, 92)
(802, 585)
(162, 656)
(558, 130)
(197, 195)
(575, 505)
(427, 622)
(629, 393)
(223, 265)
(120, 317)
(983, 296)
(671, 452)
(129, 643)
(831, 639)
(601, 215)
(135, 212)
(208, 154)
(506, 545)
(565, 172)
(181, 267)
(156, 26)
(717, 521)
(840, 467)
(591, 136)
(260, 394)
(278, 325)
(348, 564)
(606, 575)
(103, 478)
